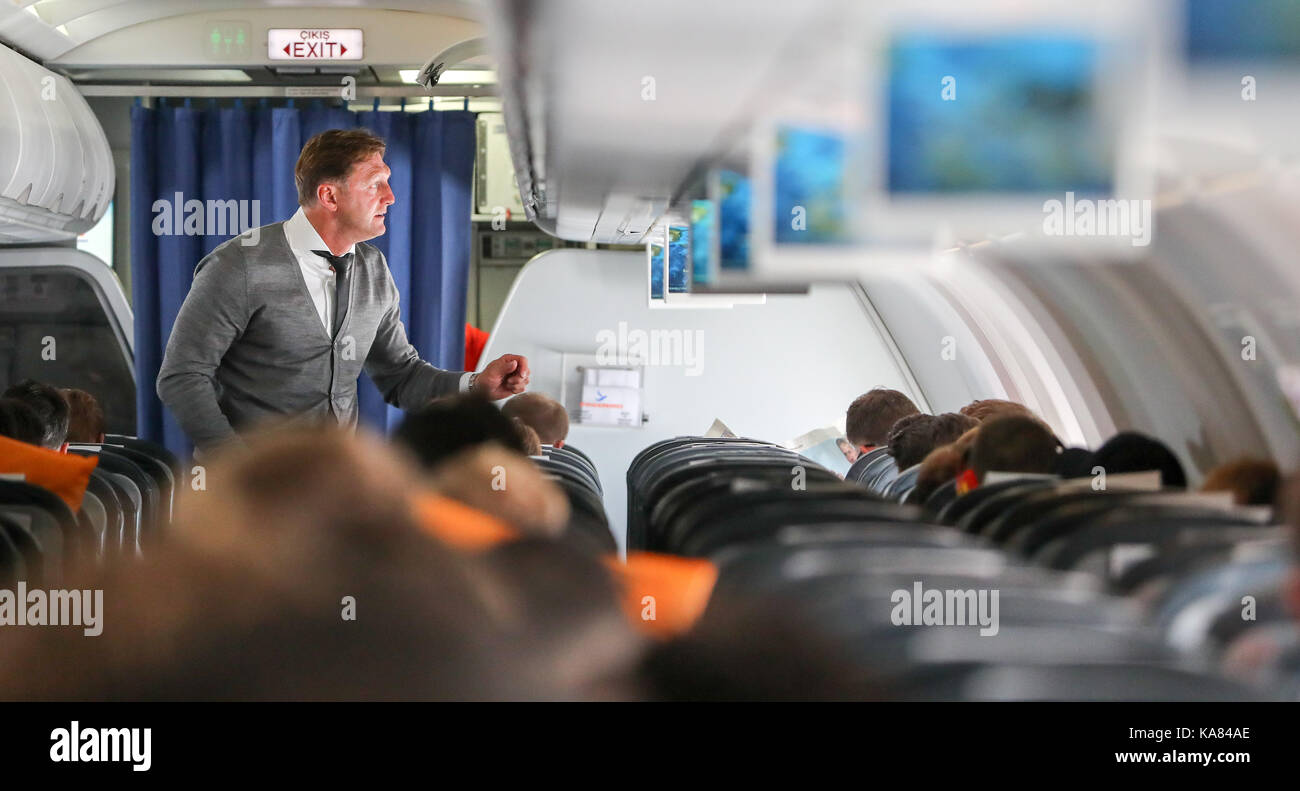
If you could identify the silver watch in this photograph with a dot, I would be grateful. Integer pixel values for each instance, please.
(472, 379)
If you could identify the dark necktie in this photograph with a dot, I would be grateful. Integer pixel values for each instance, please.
(342, 266)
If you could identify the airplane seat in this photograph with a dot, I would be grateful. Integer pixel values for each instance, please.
(849, 534)
(1172, 562)
(903, 484)
(21, 554)
(859, 467)
(51, 523)
(158, 475)
(95, 520)
(668, 463)
(1271, 611)
(588, 524)
(174, 471)
(116, 472)
(1057, 526)
(703, 530)
(1132, 528)
(941, 497)
(719, 480)
(566, 468)
(1264, 654)
(571, 451)
(961, 512)
(150, 495)
(577, 478)
(880, 474)
(1186, 609)
(117, 507)
(1005, 518)
(13, 567)
(900, 649)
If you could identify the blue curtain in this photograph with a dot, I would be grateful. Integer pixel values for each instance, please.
(248, 154)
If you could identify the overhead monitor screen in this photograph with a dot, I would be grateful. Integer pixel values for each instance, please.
(656, 253)
(809, 195)
(734, 196)
(1259, 30)
(679, 240)
(703, 219)
(996, 114)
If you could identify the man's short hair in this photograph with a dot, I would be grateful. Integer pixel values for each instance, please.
(532, 442)
(1130, 451)
(329, 157)
(1013, 443)
(874, 413)
(86, 418)
(912, 438)
(19, 421)
(544, 415)
(50, 406)
(447, 426)
(1252, 481)
(984, 408)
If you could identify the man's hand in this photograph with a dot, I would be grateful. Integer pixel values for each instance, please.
(505, 376)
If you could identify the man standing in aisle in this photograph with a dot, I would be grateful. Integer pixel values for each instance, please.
(285, 326)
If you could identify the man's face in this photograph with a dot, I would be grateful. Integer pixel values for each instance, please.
(364, 199)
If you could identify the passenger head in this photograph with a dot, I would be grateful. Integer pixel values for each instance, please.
(343, 183)
(748, 648)
(1129, 451)
(532, 442)
(447, 426)
(850, 452)
(943, 464)
(873, 414)
(562, 605)
(294, 494)
(1251, 481)
(544, 415)
(504, 483)
(19, 421)
(85, 418)
(985, 408)
(940, 466)
(1013, 443)
(186, 624)
(50, 407)
(1073, 463)
(913, 437)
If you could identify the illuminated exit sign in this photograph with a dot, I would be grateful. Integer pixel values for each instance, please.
(314, 43)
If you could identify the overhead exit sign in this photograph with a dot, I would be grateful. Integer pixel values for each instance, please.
(314, 43)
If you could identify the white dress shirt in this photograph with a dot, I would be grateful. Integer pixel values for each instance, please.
(318, 274)
(316, 271)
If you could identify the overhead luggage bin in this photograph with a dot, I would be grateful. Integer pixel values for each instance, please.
(610, 109)
(56, 168)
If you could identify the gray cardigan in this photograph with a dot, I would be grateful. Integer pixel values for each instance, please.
(248, 343)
